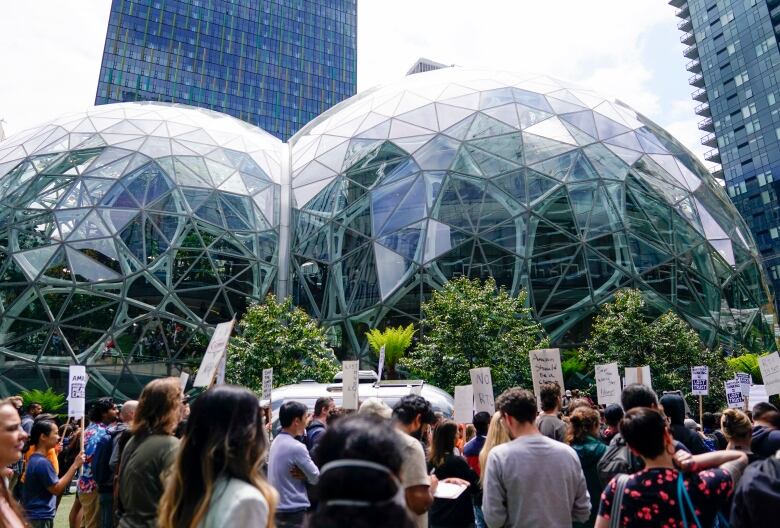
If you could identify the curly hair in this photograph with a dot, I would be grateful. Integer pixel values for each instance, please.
(582, 423)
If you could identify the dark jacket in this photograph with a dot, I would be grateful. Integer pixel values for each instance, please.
(454, 513)
(590, 452)
(674, 408)
(766, 441)
(314, 432)
(757, 497)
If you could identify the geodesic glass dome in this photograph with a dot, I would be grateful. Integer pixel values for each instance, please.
(543, 186)
(125, 232)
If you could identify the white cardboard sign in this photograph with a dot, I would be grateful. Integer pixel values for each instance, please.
(350, 381)
(77, 390)
(639, 375)
(608, 384)
(546, 368)
(268, 383)
(734, 396)
(745, 381)
(482, 384)
(464, 404)
(214, 354)
(700, 379)
(758, 394)
(381, 366)
(770, 371)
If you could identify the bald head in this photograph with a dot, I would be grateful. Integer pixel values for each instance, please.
(128, 411)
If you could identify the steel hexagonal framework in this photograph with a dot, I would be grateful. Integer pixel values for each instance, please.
(536, 183)
(125, 232)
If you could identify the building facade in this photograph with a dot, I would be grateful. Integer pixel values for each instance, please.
(734, 60)
(276, 64)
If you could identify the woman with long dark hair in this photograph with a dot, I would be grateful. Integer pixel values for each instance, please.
(12, 438)
(446, 464)
(360, 461)
(150, 453)
(216, 481)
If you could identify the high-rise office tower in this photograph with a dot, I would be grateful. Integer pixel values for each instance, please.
(274, 63)
(732, 47)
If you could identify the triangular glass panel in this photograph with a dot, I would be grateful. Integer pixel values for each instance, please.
(411, 209)
(441, 238)
(506, 113)
(449, 115)
(406, 241)
(424, 117)
(606, 164)
(538, 148)
(391, 269)
(465, 164)
(87, 270)
(484, 126)
(385, 199)
(559, 166)
(582, 120)
(608, 128)
(489, 164)
(34, 261)
(582, 170)
(437, 154)
(492, 98)
(461, 128)
(531, 99)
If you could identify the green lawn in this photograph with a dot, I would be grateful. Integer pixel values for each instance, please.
(61, 520)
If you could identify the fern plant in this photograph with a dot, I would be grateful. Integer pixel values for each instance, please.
(50, 401)
(395, 340)
(747, 363)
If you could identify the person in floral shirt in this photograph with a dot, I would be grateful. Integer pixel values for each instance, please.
(102, 413)
(651, 496)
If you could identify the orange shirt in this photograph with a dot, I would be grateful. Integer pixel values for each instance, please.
(51, 455)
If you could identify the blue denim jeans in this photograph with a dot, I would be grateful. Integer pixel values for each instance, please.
(479, 519)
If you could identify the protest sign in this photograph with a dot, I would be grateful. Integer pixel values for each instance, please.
(350, 382)
(734, 396)
(184, 377)
(268, 383)
(214, 353)
(482, 384)
(77, 390)
(546, 368)
(745, 381)
(639, 375)
(608, 384)
(758, 394)
(381, 366)
(464, 404)
(700, 379)
(770, 371)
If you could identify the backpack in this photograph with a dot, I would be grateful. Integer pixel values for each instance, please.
(313, 432)
(101, 470)
(618, 459)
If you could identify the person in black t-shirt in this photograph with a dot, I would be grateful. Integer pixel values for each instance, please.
(451, 513)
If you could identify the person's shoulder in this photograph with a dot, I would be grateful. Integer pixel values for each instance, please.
(239, 490)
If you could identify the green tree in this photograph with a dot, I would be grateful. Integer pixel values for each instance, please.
(279, 336)
(395, 341)
(50, 401)
(625, 332)
(470, 324)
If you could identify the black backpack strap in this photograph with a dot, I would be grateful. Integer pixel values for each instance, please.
(617, 501)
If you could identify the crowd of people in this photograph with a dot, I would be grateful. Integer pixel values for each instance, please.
(552, 461)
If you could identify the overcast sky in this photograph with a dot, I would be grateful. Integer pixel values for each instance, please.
(50, 50)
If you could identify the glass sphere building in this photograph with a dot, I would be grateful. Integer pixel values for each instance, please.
(125, 232)
(128, 231)
(540, 185)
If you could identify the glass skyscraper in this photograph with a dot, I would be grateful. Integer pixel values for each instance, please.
(734, 60)
(276, 64)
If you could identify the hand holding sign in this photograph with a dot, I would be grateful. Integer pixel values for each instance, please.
(77, 390)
